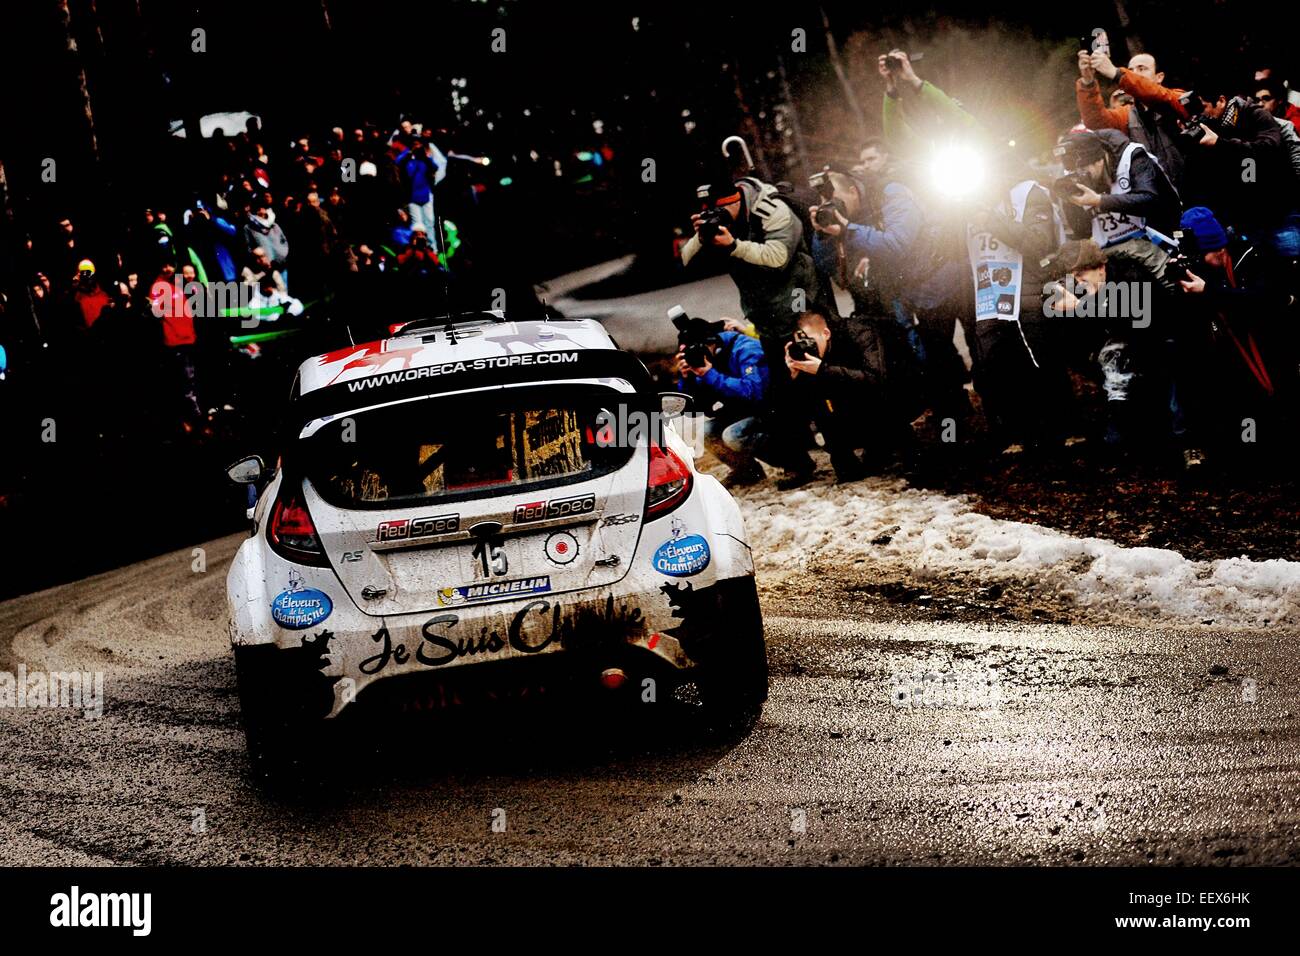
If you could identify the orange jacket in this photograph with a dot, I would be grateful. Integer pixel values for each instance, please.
(1096, 115)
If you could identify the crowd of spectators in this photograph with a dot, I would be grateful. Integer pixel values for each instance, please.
(1150, 259)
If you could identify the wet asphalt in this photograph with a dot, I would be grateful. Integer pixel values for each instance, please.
(1048, 743)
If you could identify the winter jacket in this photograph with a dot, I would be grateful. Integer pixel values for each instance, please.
(1260, 200)
(895, 249)
(92, 301)
(912, 120)
(1291, 143)
(424, 170)
(739, 376)
(253, 277)
(167, 297)
(1150, 195)
(216, 238)
(1150, 121)
(1035, 237)
(868, 372)
(768, 262)
(267, 234)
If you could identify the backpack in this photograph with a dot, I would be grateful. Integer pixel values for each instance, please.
(785, 194)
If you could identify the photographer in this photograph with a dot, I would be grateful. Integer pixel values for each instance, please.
(727, 369)
(916, 114)
(1153, 118)
(867, 232)
(861, 385)
(419, 258)
(1242, 171)
(1021, 380)
(1252, 324)
(1116, 187)
(1145, 370)
(1272, 100)
(761, 236)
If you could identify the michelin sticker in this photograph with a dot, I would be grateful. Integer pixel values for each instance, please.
(682, 555)
(493, 591)
(299, 608)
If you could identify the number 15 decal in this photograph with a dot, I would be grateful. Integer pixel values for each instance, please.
(491, 557)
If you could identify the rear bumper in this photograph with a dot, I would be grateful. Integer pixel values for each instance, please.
(664, 631)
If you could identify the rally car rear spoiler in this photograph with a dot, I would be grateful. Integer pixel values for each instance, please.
(456, 375)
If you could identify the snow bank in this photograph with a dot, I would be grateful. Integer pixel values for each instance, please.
(884, 523)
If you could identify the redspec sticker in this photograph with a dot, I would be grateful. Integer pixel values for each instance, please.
(555, 508)
(562, 547)
(405, 528)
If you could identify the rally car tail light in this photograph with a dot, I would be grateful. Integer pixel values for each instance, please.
(292, 533)
(669, 483)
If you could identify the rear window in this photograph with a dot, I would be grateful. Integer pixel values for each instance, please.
(461, 447)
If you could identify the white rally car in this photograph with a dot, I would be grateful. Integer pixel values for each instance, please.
(480, 503)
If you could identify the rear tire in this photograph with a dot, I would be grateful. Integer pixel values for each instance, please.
(283, 736)
(733, 680)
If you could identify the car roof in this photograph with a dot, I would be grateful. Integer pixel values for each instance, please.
(430, 342)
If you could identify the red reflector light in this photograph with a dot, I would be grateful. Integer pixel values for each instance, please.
(292, 533)
(669, 483)
(612, 678)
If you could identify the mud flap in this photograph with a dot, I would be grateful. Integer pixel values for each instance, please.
(284, 698)
(722, 630)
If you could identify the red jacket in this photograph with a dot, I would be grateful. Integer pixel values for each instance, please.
(170, 305)
(1096, 115)
(91, 304)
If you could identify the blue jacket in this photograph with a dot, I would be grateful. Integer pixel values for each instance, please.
(901, 252)
(739, 377)
(423, 172)
(225, 233)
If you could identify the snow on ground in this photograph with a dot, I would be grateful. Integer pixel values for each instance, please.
(922, 535)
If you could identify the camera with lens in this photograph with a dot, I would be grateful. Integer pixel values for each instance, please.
(696, 354)
(803, 345)
(713, 219)
(827, 205)
(1002, 275)
(712, 222)
(1192, 105)
(1180, 267)
(895, 63)
(695, 335)
(1067, 186)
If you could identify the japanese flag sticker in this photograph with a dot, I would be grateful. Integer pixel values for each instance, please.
(562, 547)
